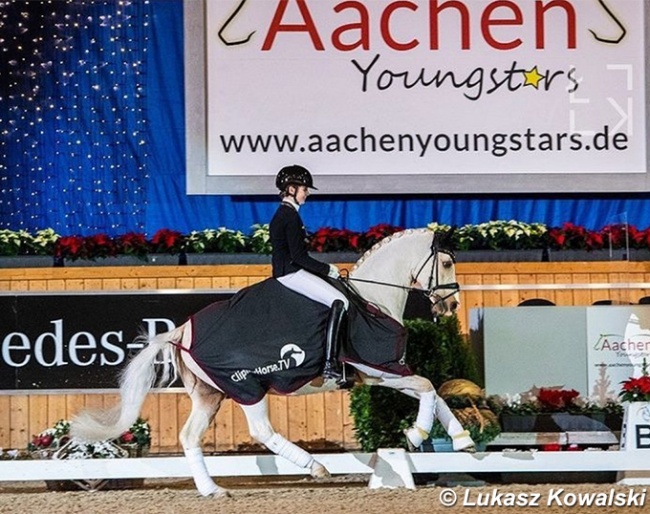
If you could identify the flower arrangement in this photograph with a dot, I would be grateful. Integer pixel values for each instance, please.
(544, 400)
(260, 239)
(498, 235)
(24, 243)
(221, 240)
(492, 235)
(637, 389)
(56, 440)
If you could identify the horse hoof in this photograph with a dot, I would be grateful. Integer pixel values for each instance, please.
(415, 436)
(319, 471)
(221, 493)
(409, 444)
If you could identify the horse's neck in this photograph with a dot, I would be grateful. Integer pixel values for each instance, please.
(390, 263)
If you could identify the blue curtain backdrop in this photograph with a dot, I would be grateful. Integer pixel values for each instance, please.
(92, 138)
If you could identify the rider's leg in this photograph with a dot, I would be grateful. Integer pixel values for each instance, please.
(332, 369)
(260, 429)
(318, 290)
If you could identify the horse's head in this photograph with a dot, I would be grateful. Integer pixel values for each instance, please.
(437, 277)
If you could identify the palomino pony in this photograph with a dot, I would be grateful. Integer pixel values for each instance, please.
(408, 260)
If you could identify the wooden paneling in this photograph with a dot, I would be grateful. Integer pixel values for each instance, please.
(319, 421)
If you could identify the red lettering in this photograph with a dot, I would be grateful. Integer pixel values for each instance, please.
(277, 26)
(385, 26)
(540, 11)
(363, 27)
(434, 11)
(487, 22)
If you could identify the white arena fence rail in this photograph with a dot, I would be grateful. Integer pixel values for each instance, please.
(339, 463)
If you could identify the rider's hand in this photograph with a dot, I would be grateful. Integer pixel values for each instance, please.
(333, 272)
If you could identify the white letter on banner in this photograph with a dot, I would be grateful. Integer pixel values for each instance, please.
(57, 337)
(7, 347)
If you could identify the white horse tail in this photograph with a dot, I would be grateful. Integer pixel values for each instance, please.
(136, 380)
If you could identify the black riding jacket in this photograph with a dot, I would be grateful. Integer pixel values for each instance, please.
(289, 241)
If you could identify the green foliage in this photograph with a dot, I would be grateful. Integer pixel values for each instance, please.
(260, 239)
(436, 351)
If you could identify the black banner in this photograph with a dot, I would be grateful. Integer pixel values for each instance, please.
(82, 341)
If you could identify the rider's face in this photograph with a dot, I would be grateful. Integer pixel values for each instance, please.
(301, 192)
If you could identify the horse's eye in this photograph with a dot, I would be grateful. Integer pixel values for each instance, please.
(447, 264)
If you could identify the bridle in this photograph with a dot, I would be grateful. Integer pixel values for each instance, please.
(433, 284)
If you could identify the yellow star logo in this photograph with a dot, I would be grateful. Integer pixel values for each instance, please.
(533, 77)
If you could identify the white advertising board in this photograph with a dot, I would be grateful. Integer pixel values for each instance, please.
(417, 96)
(617, 344)
(589, 349)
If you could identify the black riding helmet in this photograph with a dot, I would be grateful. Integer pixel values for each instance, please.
(293, 175)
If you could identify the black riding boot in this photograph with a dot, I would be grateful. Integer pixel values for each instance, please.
(332, 368)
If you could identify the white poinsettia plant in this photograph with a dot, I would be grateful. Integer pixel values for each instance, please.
(222, 240)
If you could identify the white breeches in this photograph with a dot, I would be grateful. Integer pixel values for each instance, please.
(311, 286)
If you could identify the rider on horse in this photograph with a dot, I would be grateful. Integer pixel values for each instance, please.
(294, 268)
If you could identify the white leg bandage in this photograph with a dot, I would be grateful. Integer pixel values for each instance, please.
(424, 421)
(204, 483)
(451, 425)
(460, 437)
(293, 453)
(261, 430)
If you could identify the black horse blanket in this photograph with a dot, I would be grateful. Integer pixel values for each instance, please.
(269, 337)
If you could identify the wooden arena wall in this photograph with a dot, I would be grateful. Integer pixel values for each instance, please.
(321, 422)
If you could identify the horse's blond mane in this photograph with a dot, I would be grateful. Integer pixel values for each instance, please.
(386, 241)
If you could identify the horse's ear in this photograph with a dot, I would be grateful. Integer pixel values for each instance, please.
(446, 239)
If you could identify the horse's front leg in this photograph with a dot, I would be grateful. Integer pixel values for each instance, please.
(261, 430)
(430, 406)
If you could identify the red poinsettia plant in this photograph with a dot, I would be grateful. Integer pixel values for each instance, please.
(553, 400)
(133, 243)
(573, 237)
(341, 240)
(328, 239)
(637, 389)
(167, 241)
(616, 236)
(90, 247)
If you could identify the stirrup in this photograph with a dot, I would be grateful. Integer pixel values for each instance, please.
(330, 372)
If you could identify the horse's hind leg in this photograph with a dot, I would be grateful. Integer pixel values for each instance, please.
(260, 429)
(205, 403)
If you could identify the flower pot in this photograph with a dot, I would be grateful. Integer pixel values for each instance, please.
(559, 422)
(500, 255)
(443, 445)
(27, 261)
(194, 259)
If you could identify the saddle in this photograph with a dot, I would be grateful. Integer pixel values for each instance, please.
(268, 337)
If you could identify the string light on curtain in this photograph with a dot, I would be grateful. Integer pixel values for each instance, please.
(73, 115)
